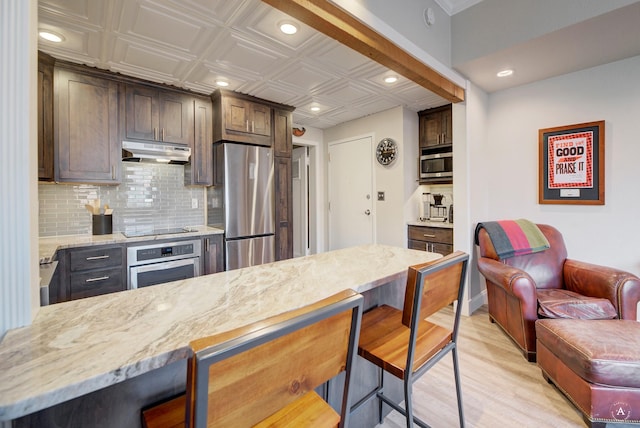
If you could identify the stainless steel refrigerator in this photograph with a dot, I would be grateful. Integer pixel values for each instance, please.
(247, 203)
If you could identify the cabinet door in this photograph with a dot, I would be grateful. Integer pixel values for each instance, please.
(446, 126)
(282, 140)
(432, 129)
(260, 119)
(284, 208)
(45, 120)
(202, 153)
(142, 113)
(175, 118)
(213, 254)
(87, 143)
(236, 114)
(242, 121)
(435, 126)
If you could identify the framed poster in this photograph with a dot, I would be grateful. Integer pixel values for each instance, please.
(572, 164)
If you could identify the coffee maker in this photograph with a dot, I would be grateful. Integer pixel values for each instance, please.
(433, 207)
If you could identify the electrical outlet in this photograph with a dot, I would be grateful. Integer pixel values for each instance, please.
(194, 202)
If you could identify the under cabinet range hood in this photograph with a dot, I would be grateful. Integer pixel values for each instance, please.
(137, 151)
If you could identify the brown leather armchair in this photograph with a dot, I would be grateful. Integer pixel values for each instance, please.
(512, 285)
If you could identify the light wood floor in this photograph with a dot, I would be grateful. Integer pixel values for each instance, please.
(499, 387)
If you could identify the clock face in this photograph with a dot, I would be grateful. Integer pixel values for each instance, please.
(386, 151)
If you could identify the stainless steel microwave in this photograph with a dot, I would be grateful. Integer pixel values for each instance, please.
(436, 166)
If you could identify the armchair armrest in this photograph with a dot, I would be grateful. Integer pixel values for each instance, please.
(514, 281)
(620, 287)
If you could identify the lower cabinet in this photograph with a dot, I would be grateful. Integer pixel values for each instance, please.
(432, 239)
(89, 271)
(212, 254)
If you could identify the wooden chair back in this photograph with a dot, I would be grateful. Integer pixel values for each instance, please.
(241, 377)
(434, 285)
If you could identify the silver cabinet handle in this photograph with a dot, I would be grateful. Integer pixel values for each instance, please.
(113, 172)
(426, 235)
(162, 139)
(155, 134)
(98, 257)
(247, 125)
(102, 278)
(368, 212)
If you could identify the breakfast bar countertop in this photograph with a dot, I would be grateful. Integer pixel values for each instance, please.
(77, 347)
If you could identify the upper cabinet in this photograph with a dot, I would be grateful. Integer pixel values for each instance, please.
(200, 170)
(87, 143)
(45, 117)
(435, 127)
(241, 119)
(158, 115)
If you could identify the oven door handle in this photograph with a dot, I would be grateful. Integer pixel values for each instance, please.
(135, 270)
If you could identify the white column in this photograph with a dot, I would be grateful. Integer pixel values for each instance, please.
(19, 294)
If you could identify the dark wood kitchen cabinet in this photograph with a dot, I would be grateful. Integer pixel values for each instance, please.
(282, 148)
(241, 119)
(87, 143)
(45, 117)
(432, 239)
(89, 271)
(284, 208)
(158, 114)
(212, 254)
(435, 126)
(200, 168)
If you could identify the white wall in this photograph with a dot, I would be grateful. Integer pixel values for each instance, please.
(506, 173)
(19, 284)
(482, 29)
(407, 18)
(390, 220)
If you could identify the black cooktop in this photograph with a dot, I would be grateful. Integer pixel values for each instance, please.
(154, 232)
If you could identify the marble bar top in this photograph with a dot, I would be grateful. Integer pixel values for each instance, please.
(77, 347)
(50, 244)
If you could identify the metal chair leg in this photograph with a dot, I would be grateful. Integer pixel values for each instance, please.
(408, 405)
(456, 374)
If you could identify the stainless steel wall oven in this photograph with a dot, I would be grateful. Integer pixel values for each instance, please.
(152, 264)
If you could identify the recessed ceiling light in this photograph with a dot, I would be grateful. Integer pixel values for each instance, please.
(315, 108)
(391, 79)
(505, 73)
(52, 37)
(288, 27)
(222, 83)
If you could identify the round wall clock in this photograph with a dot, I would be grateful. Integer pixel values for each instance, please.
(386, 151)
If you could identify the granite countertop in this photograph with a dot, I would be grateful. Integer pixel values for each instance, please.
(50, 244)
(77, 347)
(443, 224)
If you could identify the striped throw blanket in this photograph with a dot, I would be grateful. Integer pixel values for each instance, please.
(513, 237)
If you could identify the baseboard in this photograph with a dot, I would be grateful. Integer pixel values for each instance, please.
(477, 301)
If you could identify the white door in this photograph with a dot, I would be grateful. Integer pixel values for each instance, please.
(299, 175)
(350, 193)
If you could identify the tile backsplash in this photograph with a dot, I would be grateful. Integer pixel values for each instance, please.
(149, 196)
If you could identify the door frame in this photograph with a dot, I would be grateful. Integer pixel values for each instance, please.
(317, 202)
(372, 137)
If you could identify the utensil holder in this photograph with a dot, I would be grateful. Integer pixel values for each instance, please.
(102, 224)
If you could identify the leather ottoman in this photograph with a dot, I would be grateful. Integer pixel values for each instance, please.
(596, 364)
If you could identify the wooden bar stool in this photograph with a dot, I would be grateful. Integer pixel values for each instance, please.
(403, 343)
(265, 374)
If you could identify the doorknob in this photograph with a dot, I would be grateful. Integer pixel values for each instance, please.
(367, 212)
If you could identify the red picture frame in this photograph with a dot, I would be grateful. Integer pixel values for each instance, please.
(571, 169)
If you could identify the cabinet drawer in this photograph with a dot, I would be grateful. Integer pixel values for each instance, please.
(95, 258)
(97, 282)
(431, 234)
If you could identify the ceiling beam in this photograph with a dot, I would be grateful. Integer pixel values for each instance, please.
(340, 25)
